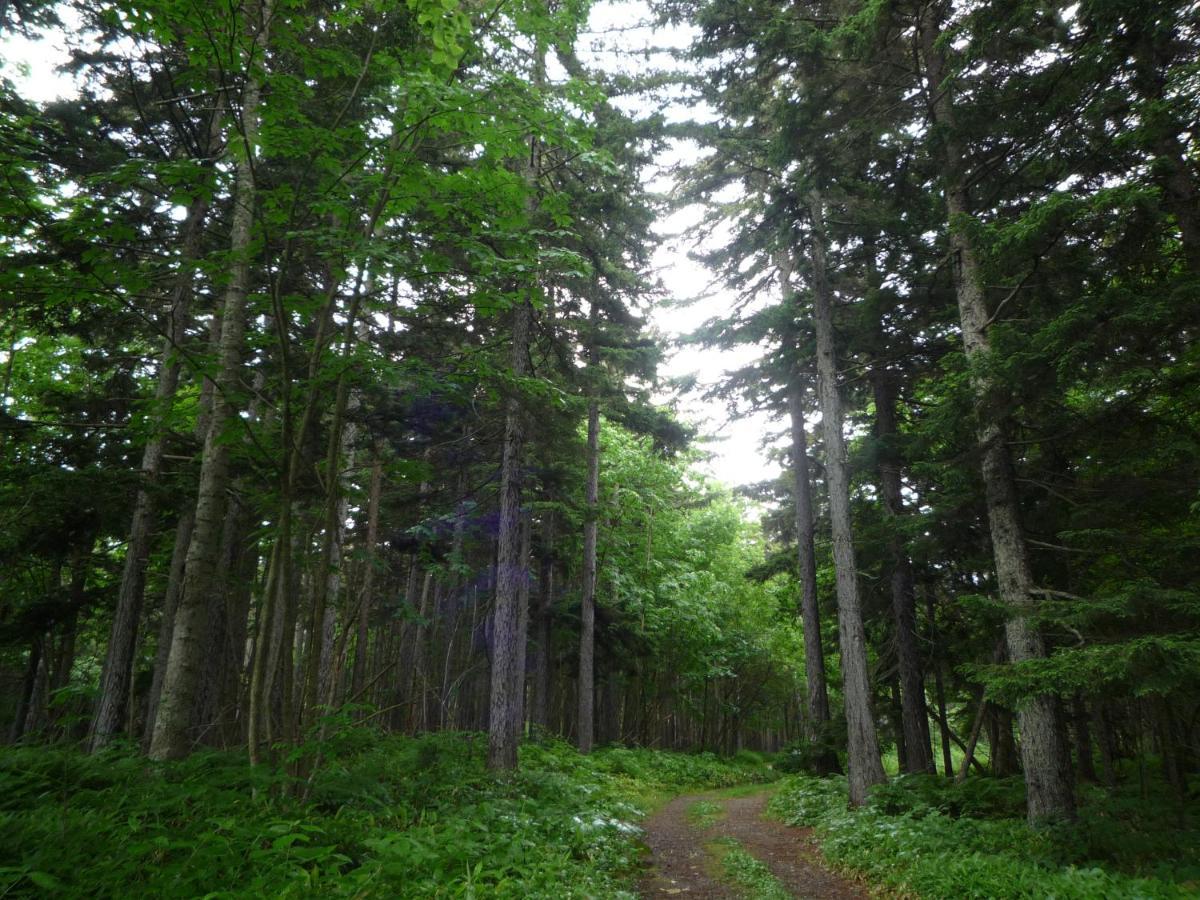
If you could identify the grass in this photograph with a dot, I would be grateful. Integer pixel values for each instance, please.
(927, 837)
(704, 814)
(385, 816)
(734, 865)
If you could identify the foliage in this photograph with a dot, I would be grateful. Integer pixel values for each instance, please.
(383, 816)
(704, 813)
(805, 756)
(752, 876)
(932, 838)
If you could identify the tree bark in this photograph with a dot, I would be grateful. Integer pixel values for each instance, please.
(523, 619)
(1047, 773)
(918, 757)
(817, 715)
(587, 609)
(540, 712)
(865, 768)
(367, 594)
(117, 672)
(504, 727)
(166, 627)
(172, 728)
(1085, 765)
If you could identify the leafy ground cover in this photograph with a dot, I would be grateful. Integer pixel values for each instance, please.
(382, 816)
(927, 837)
(751, 876)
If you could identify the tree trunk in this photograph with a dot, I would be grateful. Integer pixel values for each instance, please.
(1085, 765)
(587, 610)
(117, 672)
(540, 712)
(166, 627)
(939, 685)
(1004, 761)
(817, 715)
(973, 740)
(523, 619)
(504, 726)
(25, 701)
(865, 769)
(367, 594)
(1047, 776)
(918, 757)
(328, 580)
(172, 727)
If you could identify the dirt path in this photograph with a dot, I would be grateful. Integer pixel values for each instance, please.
(682, 867)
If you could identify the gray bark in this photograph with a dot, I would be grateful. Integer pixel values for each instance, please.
(1046, 762)
(865, 768)
(817, 715)
(918, 756)
(117, 672)
(523, 620)
(587, 610)
(939, 688)
(540, 712)
(172, 728)
(504, 727)
(367, 595)
(166, 627)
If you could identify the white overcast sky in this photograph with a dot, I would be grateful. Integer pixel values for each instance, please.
(614, 43)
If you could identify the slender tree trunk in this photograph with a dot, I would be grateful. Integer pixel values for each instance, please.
(268, 634)
(116, 674)
(523, 618)
(817, 715)
(918, 756)
(865, 768)
(1086, 766)
(25, 702)
(1046, 763)
(939, 685)
(172, 728)
(587, 611)
(166, 627)
(897, 715)
(973, 740)
(1107, 742)
(328, 581)
(504, 727)
(540, 713)
(367, 595)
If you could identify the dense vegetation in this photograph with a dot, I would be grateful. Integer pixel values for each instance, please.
(335, 464)
(928, 837)
(386, 816)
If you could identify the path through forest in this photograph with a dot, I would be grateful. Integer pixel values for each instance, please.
(687, 835)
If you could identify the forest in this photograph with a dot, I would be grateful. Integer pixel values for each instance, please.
(355, 540)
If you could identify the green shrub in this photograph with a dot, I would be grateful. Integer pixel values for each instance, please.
(934, 839)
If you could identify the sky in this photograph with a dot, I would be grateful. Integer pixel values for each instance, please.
(616, 42)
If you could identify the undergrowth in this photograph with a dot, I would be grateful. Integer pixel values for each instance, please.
(927, 837)
(751, 876)
(703, 814)
(384, 816)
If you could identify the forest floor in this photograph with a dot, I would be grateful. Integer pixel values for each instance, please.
(719, 845)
